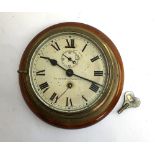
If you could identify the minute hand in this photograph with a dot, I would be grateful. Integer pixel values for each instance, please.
(88, 80)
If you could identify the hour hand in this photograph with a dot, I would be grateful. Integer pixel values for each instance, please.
(52, 61)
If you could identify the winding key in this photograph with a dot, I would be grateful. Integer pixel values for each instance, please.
(129, 101)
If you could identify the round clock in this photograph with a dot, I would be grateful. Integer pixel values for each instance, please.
(71, 75)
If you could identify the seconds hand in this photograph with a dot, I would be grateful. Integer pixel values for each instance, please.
(69, 72)
(69, 59)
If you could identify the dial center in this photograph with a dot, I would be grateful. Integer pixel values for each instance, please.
(69, 72)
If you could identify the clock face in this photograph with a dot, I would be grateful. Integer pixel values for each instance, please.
(68, 72)
(71, 75)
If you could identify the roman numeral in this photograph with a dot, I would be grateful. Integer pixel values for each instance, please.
(94, 59)
(84, 98)
(94, 87)
(54, 97)
(98, 73)
(70, 43)
(41, 73)
(68, 102)
(84, 47)
(44, 86)
(55, 46)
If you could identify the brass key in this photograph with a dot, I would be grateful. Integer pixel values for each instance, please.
(129, 101)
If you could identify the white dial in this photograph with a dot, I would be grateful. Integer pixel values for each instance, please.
(68, 72)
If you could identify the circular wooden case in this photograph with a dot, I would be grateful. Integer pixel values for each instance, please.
(92, 114)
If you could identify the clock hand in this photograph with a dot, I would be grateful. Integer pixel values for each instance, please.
(88, 80)
(69, 72)
(53, 62)
(70, 59)
(69, 86)
(63, 93)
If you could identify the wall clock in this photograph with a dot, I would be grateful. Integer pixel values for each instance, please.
(71, 75)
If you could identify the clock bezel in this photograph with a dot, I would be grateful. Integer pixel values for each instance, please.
(106, 64)
(90, 115)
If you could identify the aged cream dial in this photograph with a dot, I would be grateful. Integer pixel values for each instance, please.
(68, 72)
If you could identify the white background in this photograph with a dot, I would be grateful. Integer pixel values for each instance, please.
(130, 25)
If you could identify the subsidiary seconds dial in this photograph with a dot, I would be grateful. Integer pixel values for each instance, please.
(68, 72)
